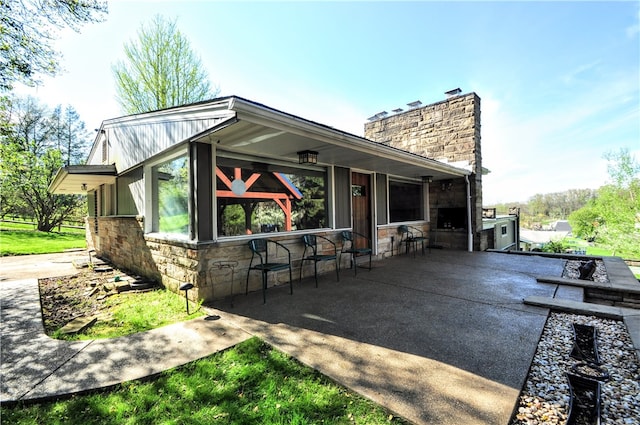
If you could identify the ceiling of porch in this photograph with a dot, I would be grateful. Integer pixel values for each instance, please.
(334, 148)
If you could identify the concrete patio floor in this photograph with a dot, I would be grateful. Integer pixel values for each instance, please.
(438, 339)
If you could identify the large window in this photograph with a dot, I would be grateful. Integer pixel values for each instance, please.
(255, 197)
(172, 183)
(405, 201)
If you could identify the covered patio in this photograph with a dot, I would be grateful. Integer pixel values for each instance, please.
(439, 339)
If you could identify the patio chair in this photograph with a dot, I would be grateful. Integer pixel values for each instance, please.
(352, 244)
(311, 242)
(412, 236)
(260, 249)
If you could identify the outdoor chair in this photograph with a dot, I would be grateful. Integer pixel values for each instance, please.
(268, 262)
(412, 236)
(352, 244)
(311, 243)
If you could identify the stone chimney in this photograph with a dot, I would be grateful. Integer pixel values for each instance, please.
(447, 131)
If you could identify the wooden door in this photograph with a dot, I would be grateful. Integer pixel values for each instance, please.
(361, 201)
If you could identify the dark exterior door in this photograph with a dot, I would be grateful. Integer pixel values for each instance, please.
(361, 201)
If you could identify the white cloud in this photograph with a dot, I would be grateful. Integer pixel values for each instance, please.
(633, 30)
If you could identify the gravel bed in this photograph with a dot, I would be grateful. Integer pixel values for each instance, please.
(545, 395)
(571, 271)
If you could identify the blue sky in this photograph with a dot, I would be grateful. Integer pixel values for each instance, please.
(559, 81)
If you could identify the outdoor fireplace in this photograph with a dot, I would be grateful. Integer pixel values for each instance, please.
(452, 218)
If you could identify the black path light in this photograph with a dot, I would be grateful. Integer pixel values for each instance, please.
(185, 287)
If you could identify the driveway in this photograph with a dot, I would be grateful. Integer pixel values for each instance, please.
(40, 266)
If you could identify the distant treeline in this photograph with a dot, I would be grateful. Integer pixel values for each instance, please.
(550, 206)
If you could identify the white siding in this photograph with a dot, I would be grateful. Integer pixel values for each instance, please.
(132, 144)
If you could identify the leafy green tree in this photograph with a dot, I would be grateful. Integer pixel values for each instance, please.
(612, 219)
(160, 70)
(29, 28)
(29, 160)
(623, 171)
(586, 222)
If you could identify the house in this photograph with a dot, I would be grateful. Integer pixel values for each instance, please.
(502, 232)
(173, 194)
(561, 226)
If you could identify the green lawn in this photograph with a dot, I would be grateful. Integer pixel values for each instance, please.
(574, 242)
(251, 383)
(137, 312)
(14, 225)
(24, 242)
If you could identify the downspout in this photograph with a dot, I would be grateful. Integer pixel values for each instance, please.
(469, 230)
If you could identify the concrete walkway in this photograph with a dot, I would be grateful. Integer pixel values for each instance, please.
(439, 339)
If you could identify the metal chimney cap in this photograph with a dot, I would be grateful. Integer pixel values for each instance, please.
(415, 104)
(453, 92)
(378, 116)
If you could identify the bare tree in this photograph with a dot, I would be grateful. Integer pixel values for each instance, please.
(160, 70)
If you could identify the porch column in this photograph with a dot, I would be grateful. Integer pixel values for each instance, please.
(201, 204)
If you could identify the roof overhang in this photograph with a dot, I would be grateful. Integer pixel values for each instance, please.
(80, 179)
(260, 131)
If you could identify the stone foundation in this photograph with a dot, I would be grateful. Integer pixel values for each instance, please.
(210, 266)
(389, 239)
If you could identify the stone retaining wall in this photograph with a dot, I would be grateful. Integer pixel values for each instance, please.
(614, 298)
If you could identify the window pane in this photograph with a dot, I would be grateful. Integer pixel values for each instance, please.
(262, 198)
(173, 196)
(405, 201)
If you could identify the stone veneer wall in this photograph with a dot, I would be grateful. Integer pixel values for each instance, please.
(121, 241)
(389, 239)
(172, 263)
(447, 131)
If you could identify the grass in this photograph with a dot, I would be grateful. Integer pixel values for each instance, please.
(591, 250)
(249, 384)
(600, 252)
(22, 239)
(129, 313)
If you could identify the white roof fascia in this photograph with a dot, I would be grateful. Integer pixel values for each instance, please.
(276, 119)
(202, 110)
